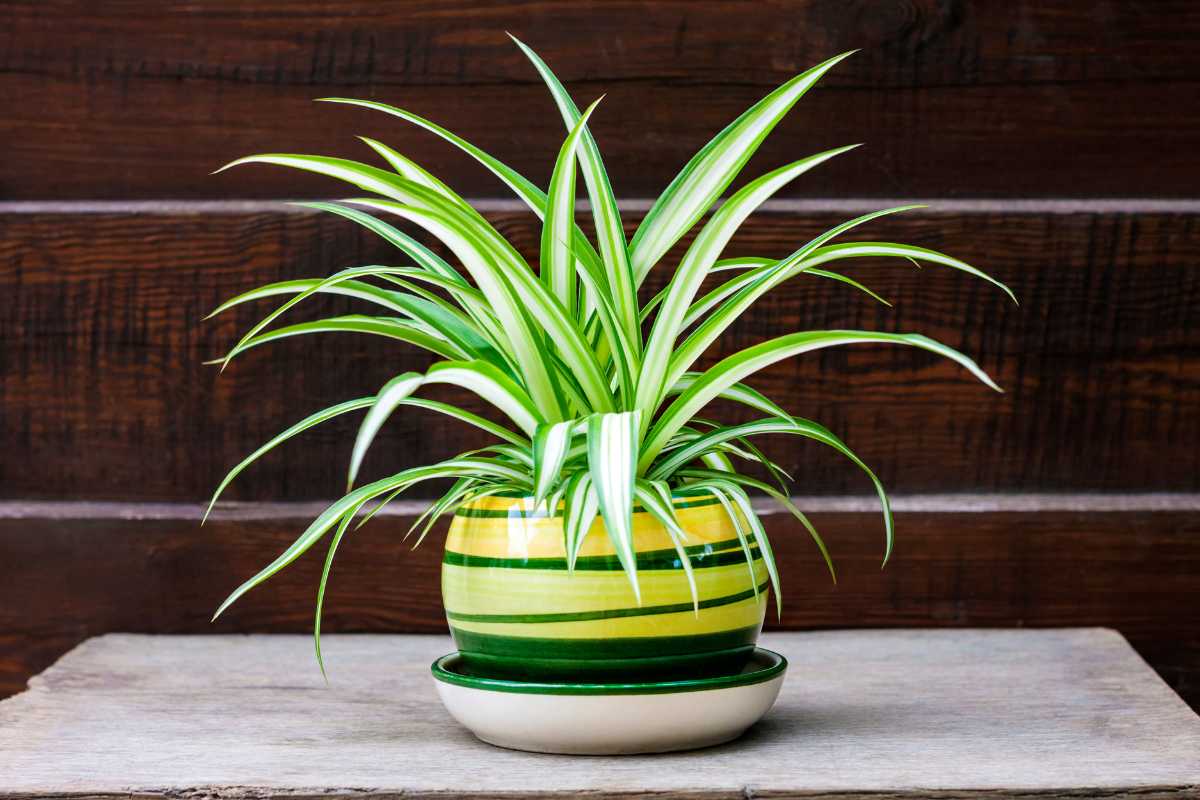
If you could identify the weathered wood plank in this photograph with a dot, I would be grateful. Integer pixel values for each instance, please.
(104, 395)
(1027, 98)
(990, 714)
(156, 571)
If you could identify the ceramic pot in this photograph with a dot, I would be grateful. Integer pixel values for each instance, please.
(515, 611)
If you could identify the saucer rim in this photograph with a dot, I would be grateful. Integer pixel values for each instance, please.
(768, 672)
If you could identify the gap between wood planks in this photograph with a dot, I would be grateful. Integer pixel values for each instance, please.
(852, 205)
(1107, 502)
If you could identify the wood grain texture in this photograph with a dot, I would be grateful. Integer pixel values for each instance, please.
(104, 395)
(989, 714)
(1136, 571)
(1026, 98)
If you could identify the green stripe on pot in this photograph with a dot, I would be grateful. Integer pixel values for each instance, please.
(610, 649)
(703, 555)
(762, 666)
(520, 513)
(609, 613)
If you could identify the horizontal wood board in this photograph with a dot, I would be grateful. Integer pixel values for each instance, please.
(862, 714)
(104, 396)
(138, 569)
(1013, 99)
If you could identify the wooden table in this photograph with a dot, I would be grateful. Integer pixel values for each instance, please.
(988, 713)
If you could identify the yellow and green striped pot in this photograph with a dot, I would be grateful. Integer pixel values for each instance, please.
(514, 609)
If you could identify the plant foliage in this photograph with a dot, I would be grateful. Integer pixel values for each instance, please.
(600, 394)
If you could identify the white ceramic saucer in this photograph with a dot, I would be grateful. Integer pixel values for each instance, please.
(608, 719)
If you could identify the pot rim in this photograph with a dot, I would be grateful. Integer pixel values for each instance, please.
(770, 665)
(681, 492)
(522, 505)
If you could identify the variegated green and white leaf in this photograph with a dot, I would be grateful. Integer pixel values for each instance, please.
(720, 489)
(701, 444)
(513, 290)
(742, 500)
(612, 461)
(734, 368)
(656, 498)
(738, 505)
(837, 252)
(421, 255)
(557, 261)
(364, 176)
(335, 512)
(323, 415)
(310, 286)
(328, 518)
(462, 415)
(525, 189)
(700, 477)
(461, 489)
(760, 281)
(411, 170)
(694, 268)
(709, 173)
(493, 386)
(454, 328)
(386, 401)
(550, 443)
(347, 518)
(607, 218)
(580, 507)
(357, 323)
(737, 393)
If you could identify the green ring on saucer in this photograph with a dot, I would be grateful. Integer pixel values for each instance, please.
(763, 666)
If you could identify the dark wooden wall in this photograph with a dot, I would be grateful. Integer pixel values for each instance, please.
(1055, 141)
(1026, 98)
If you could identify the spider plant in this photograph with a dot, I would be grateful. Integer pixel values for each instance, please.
(598, 391)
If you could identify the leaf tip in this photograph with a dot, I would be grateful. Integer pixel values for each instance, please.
(320, 658)
(234, 163)
(830, 63)
(987, 380)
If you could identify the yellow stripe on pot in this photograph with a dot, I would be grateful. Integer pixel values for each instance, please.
(742, 614)
(518, 536)
(468, 590)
